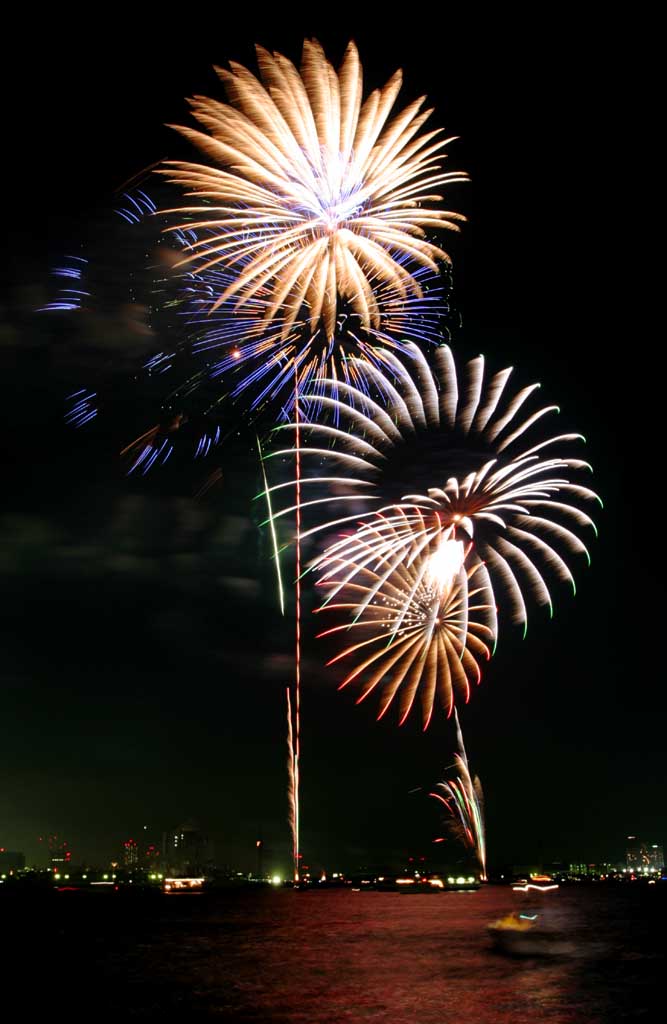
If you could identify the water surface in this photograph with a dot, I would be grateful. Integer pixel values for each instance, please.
(280, 957)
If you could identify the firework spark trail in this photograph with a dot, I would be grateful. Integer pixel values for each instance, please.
(464, 448)
(251, 363)
(144, 305)
(258, 362)
(68, 299)
(291, 781)
(155, 444)
(297, 665)
(464, 799)
(422, 615)
(272, 525)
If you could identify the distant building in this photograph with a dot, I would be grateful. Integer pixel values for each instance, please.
(149, 848)
(130, 853)
(185, 850)
(151, 856)
(633, 853)
(643, 858)
(656, 858)
(600, 870)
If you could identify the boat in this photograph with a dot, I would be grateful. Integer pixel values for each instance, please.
(434, 883)
(525, 935)
(173, 885)
(462, 883)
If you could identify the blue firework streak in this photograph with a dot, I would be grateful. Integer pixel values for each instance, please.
(266, 366)
(135, 206)
(70, 292)
(202, 364)
(123, 317)
(83, 408)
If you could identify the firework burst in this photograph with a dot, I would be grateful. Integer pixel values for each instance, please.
(420, 617)
(463, 448)
(316, 213)
(464, 799)
(312, 191)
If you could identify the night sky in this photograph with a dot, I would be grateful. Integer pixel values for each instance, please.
(144, 658)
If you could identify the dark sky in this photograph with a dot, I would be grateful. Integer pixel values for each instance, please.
(143, 654)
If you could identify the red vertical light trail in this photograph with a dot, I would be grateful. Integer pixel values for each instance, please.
(297, 672)
(291, 793)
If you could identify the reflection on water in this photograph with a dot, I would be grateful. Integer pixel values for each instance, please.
(279, 957)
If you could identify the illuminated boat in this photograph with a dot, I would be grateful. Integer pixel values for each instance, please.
(409, 885)
(522, 935)
(453, 883)
(462, 883)
(178, 885)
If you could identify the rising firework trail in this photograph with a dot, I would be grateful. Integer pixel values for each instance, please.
(463, 798)
(297, 640)
(272, 527)
(292, 809)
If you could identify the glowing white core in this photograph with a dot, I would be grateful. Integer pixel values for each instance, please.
(445, 563)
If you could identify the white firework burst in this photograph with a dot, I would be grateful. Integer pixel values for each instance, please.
(421, 615)
(465, 448)
(312, 193)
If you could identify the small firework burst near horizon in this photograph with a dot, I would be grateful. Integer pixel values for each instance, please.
(464, 799)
